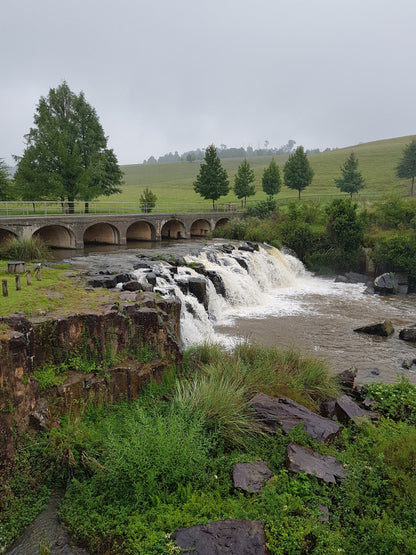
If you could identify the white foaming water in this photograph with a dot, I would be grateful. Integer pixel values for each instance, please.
(252, 284)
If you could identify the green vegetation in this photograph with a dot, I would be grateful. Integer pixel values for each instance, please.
(58, 292)
(271, 181)
(212, 180)
(5, 181)
(135, 472)
(243, 182)
(24, 248)
(147, 200)
(66, 155)
(297, 171)
(406, 169)
(351, 180)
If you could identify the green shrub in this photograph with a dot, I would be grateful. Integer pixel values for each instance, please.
(396, 401)
(396, 253)
(262, 209)
(23, 248)
(48, 377)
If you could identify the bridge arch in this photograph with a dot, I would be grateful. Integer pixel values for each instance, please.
(141, 231)
(56, 236)
(6, 234)
(200, 228)
(222, 222)
(102, 233)
(173, 229)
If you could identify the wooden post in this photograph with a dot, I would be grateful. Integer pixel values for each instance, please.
(5, 290)
(18, 287)
(37, 271)
(29, 277)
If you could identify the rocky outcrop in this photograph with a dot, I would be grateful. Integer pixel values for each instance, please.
(251, 477)
(324, 467)
(382, 329)
(119, 331)
(408, 334)
(223, 537)
(283, 413)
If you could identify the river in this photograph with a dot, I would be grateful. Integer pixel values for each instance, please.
(275, 301)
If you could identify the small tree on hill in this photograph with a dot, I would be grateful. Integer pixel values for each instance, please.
(271, 180)
(406, 169)
(243, 181)
(351, 180)
(147, 200)
(297, 171)
(212, 180)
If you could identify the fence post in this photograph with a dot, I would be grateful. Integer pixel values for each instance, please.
(5, 290)
(17, 278)
(29, 277)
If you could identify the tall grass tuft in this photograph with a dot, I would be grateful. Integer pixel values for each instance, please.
(25, 248)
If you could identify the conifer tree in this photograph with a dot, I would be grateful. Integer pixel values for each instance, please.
(297, 171)
(212, 180)
(406, 169)
(243, 181)
(271, 180)
(351, 180)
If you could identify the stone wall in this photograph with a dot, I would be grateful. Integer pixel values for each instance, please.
(116, 332)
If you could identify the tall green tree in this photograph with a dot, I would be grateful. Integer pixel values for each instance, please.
(297, 171)
(147, 200)
(244, 181)
(212, 180)
(406, 168)
(351, 180)
(271, 180)
(66, 155)
(5, 181)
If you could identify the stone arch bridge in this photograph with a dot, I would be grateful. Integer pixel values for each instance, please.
(73, 231)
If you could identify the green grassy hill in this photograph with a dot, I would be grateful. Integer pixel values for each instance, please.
(172, 183)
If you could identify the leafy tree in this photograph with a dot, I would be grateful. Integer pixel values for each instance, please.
(243, 181)
(5, 181)
(297, 171)
(345, 227)
(66, 154)
(406, 169)
(351, 180)
(147, 200)
(271, 180)
(212, 180)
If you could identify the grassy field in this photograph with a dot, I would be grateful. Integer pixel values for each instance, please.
(173, 183)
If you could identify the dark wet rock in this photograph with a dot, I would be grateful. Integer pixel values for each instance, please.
(354, 277)
(198, 267)
(283, 413)
(251, 477)
(346, 379)
(183, 284)
(124, 278)
(381, 329)
(39, 419)
(373, 371)
(198, 288)
(223, 537)
(151, 278)
(369, 403)
(247, 248)
(369, 290)
(242, 262)
(217, 281)
(346, 409)
(141, 265)
(361, 390)
(327, 408)
(341, 279)
(132, 286)
(227, 249)
(386, 284)
(408, 334)
(108, 282)
(254, 246)
(302, 459)
(407, 364)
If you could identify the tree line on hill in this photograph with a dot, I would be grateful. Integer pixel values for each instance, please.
(228, 152)
(67, 159)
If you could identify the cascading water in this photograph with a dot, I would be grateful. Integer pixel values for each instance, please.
(232, 279)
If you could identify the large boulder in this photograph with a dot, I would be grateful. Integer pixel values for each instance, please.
(198, 287)
(223, 537)
(217, 281)
(408, 334)
(302, 459)
(283, 413)
(382, 329)
(386, 284)
(251, 477)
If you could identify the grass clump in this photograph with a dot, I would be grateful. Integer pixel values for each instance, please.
(25, 248)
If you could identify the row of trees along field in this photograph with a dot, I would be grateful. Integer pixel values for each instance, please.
(67, 158)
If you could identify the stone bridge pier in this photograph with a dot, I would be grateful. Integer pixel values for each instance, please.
(73, 231)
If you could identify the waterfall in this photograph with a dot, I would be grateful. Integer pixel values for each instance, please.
(220, 282)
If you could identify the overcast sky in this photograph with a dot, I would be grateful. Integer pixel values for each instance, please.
(169, 75)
